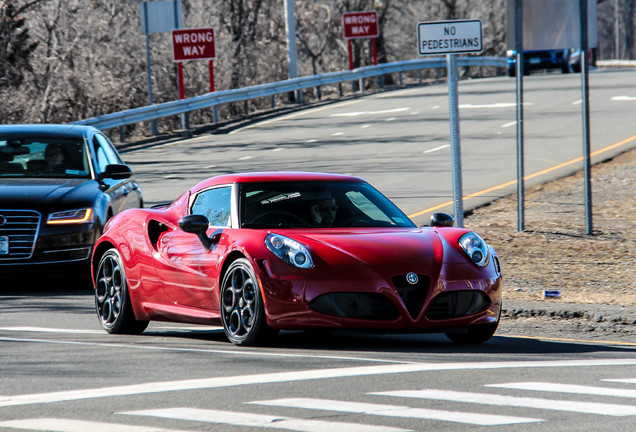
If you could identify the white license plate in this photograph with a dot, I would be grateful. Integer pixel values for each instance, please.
(4, 245)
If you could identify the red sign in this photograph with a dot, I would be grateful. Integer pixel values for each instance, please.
(193, 44)
(360, 24)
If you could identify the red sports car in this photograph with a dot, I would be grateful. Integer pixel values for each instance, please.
(263, 252)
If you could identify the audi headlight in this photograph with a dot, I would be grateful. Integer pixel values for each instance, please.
(290, 251)
(76, 216)
(475, 247)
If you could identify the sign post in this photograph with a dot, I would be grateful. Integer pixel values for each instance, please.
(156, 17)
(192, 44)
(450, 38)
(359, 25)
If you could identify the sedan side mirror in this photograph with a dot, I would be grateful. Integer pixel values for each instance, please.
(442, 220)
(198, 225)
(116, 172)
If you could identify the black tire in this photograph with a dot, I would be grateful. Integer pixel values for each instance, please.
(112, 301)
(242, 310)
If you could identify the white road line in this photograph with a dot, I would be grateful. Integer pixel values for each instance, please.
(68, 425)
(512, 123)
(259, 420)
(437, 148)
(359, 113)
(495, 105)
(577, 102)
(296, 114)
(624, 98)
(293, 376)
(364, 126)
(396, 411)
(567, 388)
(515, 401)
(622, 380)
(51, 330)
(337, 133)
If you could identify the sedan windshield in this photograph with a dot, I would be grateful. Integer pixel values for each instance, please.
(43, 157)
(317, 204)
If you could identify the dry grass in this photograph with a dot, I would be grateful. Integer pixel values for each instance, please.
(554, 253)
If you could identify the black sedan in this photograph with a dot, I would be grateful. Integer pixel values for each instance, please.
(59, 184)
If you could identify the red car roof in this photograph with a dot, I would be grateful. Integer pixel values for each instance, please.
(275, 176)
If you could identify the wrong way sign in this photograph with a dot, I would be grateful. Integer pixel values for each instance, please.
(449, 37)
(193, 44)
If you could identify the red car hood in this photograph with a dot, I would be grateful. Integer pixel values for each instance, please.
(376, 246)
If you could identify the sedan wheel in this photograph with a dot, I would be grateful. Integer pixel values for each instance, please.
(112, 301)
(242, 308)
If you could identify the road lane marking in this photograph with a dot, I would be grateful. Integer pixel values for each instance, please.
(259, 420)
(292, 376)
(512, 123)
(396, 411)
(437, 148)
(494, 105)
(296, 114)
(624, 98)
(359, 113)
(622, 380)
(528, 177)
(68, 425)
(200, 350)
(50, 330)
(567, 388)
(516, 401)
(593, 342)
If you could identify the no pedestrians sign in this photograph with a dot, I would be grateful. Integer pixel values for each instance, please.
(449, 37)
(193, 44)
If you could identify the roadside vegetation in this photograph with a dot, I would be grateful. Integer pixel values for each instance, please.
(64, 60)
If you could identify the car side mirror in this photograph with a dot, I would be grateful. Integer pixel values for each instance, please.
(198, 225)
(116, 172)
(442, 220)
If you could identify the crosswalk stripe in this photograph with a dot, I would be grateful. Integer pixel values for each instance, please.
(396, 411)
(68, 425)
(259, 420)
(515, 401)
(568, 388)
(623, 380)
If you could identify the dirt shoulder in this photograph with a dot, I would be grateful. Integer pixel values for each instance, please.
(595, 275)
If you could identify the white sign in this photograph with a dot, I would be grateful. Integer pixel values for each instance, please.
(448, 37)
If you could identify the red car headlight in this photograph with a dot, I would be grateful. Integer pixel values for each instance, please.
(475, 247)
(288, 250)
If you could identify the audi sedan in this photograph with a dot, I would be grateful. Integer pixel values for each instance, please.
(59, 184)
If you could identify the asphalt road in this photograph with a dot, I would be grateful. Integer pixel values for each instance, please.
(59, 371)
(399, 140)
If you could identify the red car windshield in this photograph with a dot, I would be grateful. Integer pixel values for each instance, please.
(43, 157)
(317, 204)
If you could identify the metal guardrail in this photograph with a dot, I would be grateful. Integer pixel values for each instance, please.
(209, 100)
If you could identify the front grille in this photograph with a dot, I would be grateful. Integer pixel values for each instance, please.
(456, 304)
(20, 227)
(413, 295)
(369, 306)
